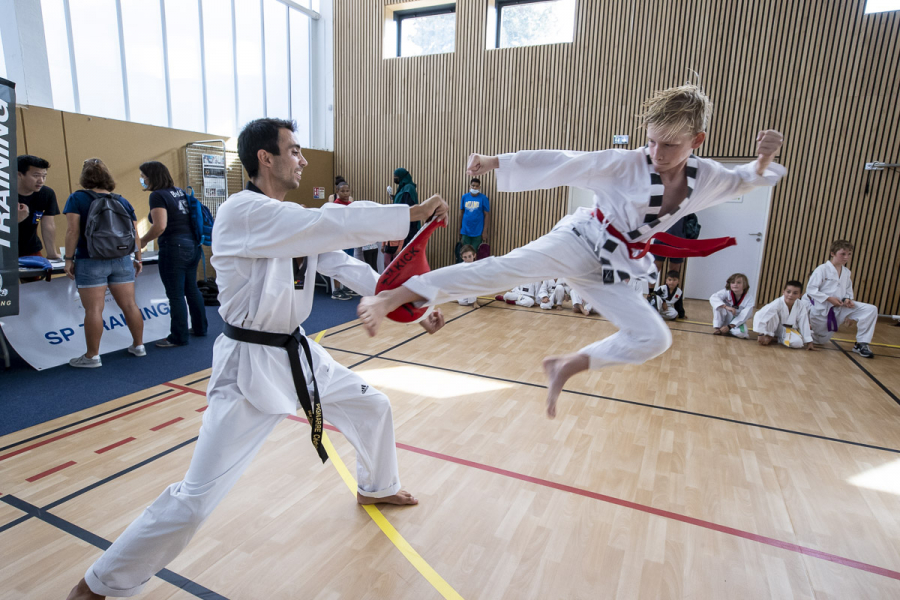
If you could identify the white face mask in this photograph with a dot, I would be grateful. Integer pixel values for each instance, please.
(473, 191)
(143, 183)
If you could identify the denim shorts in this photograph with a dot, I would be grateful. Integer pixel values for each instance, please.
(96, 272)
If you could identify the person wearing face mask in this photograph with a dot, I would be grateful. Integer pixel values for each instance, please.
(474, 216)
(179, 252)
(406, 194)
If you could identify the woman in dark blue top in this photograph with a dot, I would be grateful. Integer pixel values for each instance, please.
(93, 275)
(179, 252)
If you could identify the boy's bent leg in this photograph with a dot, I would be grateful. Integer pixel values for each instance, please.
(865, 315)
(818, 325)
(642, 335)
(233, 431)
(363, 415)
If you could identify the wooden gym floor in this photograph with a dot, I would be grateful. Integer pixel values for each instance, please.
(718, 470)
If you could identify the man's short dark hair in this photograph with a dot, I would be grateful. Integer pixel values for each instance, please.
(794, 283)
(674, 274)
(475, 180)
(26, 161)
(158, 176)
(261, 134)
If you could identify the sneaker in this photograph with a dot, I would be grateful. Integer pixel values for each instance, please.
(164, 343)
(740, 332)
(83, 362)
(351, 293)
(340, 295)
(137, 350)
(863, 350)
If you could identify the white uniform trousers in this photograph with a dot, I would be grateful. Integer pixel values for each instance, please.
(233, 431)
(669, 313)
(467, 301)
(722, 317)
(773, 327)
(865, 315)
(519, 299)
(642, 333)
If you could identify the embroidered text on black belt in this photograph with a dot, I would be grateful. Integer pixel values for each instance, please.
(292, 343)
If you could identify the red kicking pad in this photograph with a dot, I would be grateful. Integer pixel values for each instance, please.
(410, 261)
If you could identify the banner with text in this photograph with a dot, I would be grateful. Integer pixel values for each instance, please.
(9, 202)
(49, 330)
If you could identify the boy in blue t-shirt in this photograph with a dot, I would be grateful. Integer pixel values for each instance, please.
(475, 215)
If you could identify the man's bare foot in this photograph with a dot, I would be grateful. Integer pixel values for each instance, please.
(402, 498)
(372, 310)
(558, 370)
(83, 592)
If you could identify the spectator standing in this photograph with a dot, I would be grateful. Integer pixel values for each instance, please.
(475, 216)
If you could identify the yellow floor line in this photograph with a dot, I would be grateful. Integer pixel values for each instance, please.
(835, 339)
(416, 560)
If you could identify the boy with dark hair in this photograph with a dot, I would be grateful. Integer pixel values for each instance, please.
(474, 216)
(264, 364)
(467, 254)
(667, 298)
(785, 320)
(36, 201)
(830, 295)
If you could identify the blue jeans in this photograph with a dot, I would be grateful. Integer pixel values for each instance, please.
(178, 260)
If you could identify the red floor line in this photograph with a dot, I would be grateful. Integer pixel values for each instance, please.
(86, 427)
(166, 424)
(34, 478)
(202, 408)
(116, 445)
(184, 388)
(847, 562)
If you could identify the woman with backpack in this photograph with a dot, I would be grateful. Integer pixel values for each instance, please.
(100, 238)
(179, 252)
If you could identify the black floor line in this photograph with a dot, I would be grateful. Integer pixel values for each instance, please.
(545, 313)
(12, 524)
(631, 402)
(93, 539)
(91, 418)
(331, 333)
(866, 371)
(415, 337)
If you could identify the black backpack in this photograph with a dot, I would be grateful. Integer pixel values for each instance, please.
(109, 229)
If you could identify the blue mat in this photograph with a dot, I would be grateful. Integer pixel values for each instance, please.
(29, 397)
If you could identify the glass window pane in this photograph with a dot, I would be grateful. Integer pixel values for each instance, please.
(185, 75)
(874, 6)
(537, 23)
(219, 66)
(95, 33)
(300, 57)
(434, 34)
(3, 61)
(142, 32)
(249, 61)
(57, 37)
(277, 83)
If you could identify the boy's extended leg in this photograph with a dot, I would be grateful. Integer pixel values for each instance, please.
(233, 431)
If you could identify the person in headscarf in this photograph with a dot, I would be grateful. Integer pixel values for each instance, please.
(406, 194)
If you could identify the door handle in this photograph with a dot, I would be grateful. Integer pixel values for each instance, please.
(757, 234)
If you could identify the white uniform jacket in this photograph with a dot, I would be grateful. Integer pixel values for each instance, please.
(825, 282)
(774, 316)
(744, 306)
(255, 240)
(628, 192)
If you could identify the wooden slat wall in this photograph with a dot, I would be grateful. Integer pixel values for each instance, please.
(823, 73)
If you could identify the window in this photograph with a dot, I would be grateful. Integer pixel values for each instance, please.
(300, 90)
(426, 31)
(278, 103)
(57, 38)
(249, 61)
(142, 35)
(533, 22)
(876, 6)
(218, 57)
(185, 70)
(2, 61)
(95, 30)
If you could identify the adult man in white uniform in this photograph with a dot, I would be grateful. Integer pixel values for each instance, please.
(638, 194)
(254, 384)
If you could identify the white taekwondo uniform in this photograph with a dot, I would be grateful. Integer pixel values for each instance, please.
(825, 282)
(790, 326)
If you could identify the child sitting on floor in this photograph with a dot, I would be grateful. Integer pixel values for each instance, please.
(732, 307)
(667, 299)
(467, 254)
(785, 320)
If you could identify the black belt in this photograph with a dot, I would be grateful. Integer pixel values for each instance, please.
(292, 343)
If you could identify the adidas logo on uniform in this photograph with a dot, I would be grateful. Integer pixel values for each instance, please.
(364, 388)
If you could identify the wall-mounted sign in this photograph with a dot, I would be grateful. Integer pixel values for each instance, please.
(213, 176)
(318, 193)
(9, 202)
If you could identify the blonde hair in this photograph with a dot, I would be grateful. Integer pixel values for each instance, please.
(676, 110)
(734, 278)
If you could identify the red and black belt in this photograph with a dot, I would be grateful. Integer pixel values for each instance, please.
(668, 245)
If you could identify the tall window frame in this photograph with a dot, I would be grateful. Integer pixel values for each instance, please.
(413, 13)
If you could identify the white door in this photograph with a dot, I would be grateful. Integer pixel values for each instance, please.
(744, 219)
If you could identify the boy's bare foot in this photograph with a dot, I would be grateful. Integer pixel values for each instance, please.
(83, 592)
(372, 310)
(585, 311)
(558, 370)
(764, 340)
(717, 331)
(402, 498)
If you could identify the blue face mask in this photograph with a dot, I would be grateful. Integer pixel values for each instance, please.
(143, 183)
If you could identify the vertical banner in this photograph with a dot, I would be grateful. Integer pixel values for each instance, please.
(9, 202)
(213, 176)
